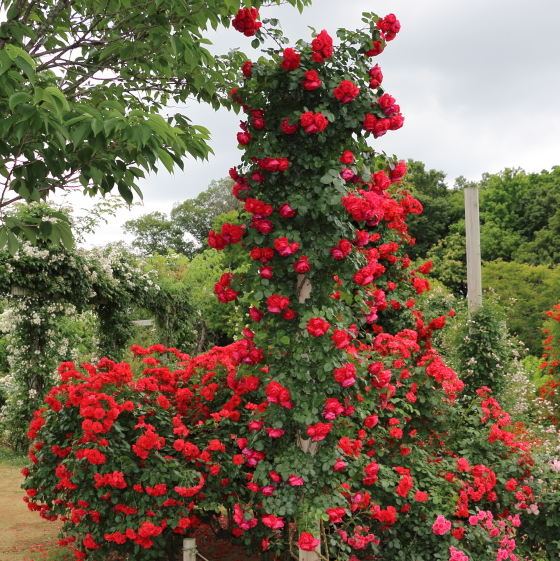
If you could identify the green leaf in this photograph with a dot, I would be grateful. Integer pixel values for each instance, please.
(5, 61)
(166, 159)
(13, 243)
(59, 95)
(17, 98)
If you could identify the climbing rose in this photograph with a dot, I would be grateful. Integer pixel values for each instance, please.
(291, 59)
(389, 26)
(376, 49)
(295, 481)
(307, 542)
(322, 47)
(284, 247)
(347, 158)
(277, 303)
(286, 211)
(441, 526)
(376, 76)
(313, 122)
(302, 266)
(346, 92)
(246, 21)
(319, 431)
(317, 327)
(287, 128)
(246, 69)
(312, 80)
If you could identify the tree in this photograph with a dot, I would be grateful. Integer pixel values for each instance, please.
(82, 84)
(155, 233)
(193, 218)
(196, 216)
(526, 292)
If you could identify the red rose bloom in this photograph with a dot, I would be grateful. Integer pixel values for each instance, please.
(322, 47)
(313, 122)
(246, 69)
(346, 92)
(287, 128)
(312, 80)
(376, 77)
(277, 303)
(317, 327)
(286, 211)
(302, 266)
(347, 158)
(244, 138)
(246, 21)
(289, 314)
(307, 542)
(376, 49)
(291, 59)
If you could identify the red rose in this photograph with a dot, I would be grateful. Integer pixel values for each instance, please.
(370, 421)
(312, 80)
(313, 122)
(246, 21)
(256, 315)
(302, 266)
(319, 431)
(289, 314)
(347, 174)
(277, 303)
(307, 542)
(345, 375)
(347, 158)
(291, 59)
(376, 76)
(421, 497)
(340, 338)
(244, 138)
(317, 327)
(322, 47)
(287, 128)
(398, 172)
(266, 272)
(238, 459)
(284, 247)
(246, 69)
(376, 49)
(286, 211)
(346, 92)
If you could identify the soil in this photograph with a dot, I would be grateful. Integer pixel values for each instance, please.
(24, 536)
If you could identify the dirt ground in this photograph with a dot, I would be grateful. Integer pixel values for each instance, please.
(24, 536)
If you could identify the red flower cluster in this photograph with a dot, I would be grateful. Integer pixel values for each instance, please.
(322, 46)
(313, 122)
(312, 80)
(346, 92)
(246, 21)
(230, 233)
(222, 290)
(317, 327)
(389, 27)
(291, 59)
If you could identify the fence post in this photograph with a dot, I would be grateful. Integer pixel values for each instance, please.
(474, 268)
(189, 549)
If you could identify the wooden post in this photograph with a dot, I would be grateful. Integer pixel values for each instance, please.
(303, 291)
(474, 269)
(189, 549)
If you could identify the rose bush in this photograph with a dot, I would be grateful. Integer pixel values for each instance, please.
(333, 423)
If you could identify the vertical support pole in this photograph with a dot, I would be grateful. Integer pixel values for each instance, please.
(189, 549)
(474, 269)
(303, 292)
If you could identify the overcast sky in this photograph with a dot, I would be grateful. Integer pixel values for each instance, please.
(477, 81)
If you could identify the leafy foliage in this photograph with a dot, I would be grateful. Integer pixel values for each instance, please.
(81, 87)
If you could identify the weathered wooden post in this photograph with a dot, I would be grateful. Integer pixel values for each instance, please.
(303, 290)
(474, 269)
(189, 549)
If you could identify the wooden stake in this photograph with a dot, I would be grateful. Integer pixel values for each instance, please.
(189, 549)
(474, 268)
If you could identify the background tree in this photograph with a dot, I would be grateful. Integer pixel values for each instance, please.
(156, 233)
(193, 218)
(82, 84)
